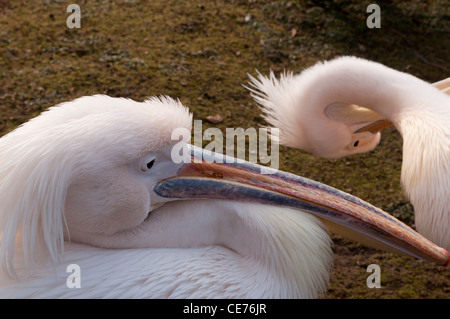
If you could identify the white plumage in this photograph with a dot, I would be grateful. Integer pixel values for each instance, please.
(249, 261)
(78, 186)
(325, 109)
(73, 191)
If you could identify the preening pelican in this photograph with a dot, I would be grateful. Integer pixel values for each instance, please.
(337, 108)
(93, 183)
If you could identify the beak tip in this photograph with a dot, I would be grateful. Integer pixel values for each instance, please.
(448, 259)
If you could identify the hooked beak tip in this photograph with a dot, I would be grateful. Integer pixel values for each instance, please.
(448, 259)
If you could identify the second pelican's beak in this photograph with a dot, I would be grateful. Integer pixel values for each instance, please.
(359, 119)
(374, 127)
(379, 125)
(215, 176)
(443, 85)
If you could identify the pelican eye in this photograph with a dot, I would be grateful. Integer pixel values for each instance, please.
(147, 163)
(150, 164)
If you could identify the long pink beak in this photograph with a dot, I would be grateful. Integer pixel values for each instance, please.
(212, 177)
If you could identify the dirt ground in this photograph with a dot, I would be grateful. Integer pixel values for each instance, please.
(201, 52)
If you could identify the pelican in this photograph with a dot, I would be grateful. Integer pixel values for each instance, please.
(337, 108)
(95, 206)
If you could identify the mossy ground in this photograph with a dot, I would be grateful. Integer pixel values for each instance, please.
(201, 52)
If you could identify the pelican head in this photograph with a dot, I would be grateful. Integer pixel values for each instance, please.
(326, 125)
(93, 181)
(67, 160)
(316, 110)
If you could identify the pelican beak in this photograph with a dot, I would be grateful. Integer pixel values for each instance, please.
(215, 176)
(443, 85)
(358, 118)
(374, 127)
(365, 119)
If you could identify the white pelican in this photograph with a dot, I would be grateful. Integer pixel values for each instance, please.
(337, 108)
(92, 183)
